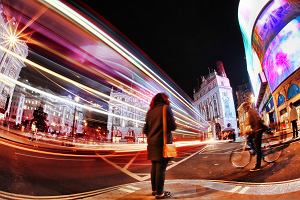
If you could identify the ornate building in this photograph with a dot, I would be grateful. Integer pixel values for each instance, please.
(60, 115)
(124, 127)
(9, 65)
(214, 99)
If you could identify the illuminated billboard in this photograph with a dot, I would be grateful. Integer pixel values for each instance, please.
(270, 22)
(282, 57)
(247, 14)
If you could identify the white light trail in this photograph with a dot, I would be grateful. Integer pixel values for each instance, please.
(71, 14)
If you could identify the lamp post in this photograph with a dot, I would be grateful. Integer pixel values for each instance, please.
(11, 39)
(252, 100)
(77, 98)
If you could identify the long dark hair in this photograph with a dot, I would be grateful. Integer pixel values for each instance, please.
(158, 99)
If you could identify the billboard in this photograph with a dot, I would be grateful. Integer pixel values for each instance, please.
(271, 21)
(247, 14)
(282, 57)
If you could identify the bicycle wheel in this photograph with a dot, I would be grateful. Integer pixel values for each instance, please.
(272, 154)
(240, 158)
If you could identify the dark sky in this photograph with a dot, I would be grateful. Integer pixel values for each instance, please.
(183, 37)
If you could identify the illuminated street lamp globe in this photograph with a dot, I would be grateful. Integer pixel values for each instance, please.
(12, 47)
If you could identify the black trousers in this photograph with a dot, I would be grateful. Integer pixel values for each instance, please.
(257, 146)
(158, 171)
(295, 128)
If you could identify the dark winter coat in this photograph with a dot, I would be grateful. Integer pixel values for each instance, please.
(154, 131)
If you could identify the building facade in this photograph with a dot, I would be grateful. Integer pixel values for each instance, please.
(214, 99)
(60, 116)
(243, 93)
(271, 35)
(123, 120)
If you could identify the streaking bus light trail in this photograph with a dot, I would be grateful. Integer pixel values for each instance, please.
(78, 58)
(93, 29)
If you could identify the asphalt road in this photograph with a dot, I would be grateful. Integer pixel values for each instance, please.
(33, 168)
(214, 164)
(37, 169)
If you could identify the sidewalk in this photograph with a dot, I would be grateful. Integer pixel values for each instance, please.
(204, 189)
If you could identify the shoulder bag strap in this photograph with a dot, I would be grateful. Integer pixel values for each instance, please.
(165, 123)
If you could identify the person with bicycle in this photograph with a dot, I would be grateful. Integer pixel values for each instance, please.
(254, 138)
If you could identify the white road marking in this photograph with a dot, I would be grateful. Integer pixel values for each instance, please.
(132, 187)
(131, 161)
(245, 189)
(236, 188)
(126, 190)
(125, 171)
(177, 163)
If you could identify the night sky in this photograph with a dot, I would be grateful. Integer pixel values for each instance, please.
(184, 38)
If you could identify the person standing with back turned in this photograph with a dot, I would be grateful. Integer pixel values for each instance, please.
(293, 120)
(154, 132)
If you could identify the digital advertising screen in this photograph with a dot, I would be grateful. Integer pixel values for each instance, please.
(282, 57)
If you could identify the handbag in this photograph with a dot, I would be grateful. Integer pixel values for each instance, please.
(169, 150)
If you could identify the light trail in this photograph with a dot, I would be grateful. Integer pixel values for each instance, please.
(6, 78)
(107, 77)
(79, 85)
(114, 82)
(65, 10)
(117, 67)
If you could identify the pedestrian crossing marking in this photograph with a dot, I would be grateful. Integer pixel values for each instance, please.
(244, 190)
(126, 190)
(236, 188)
(132, 187)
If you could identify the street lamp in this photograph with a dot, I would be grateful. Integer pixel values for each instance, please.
(11, 40)
(252, 100)
(77, 98)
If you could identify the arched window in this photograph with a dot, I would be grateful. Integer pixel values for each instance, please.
(293, 91)
(281, 99)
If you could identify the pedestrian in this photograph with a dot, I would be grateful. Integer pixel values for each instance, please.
(153, 129)
(229, 132)
(255, 137)
(293, 120)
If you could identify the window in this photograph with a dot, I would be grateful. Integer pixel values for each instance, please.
(283, 111)
(216, 108)
(281, 100)
(293, 91)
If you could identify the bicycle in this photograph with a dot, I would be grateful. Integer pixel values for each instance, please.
(242, 156)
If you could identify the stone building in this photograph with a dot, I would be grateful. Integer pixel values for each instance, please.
(60, 116)
(214, 99)
(119, 127)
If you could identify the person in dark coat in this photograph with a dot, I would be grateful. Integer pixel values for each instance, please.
(153, 129)
(255, 138)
